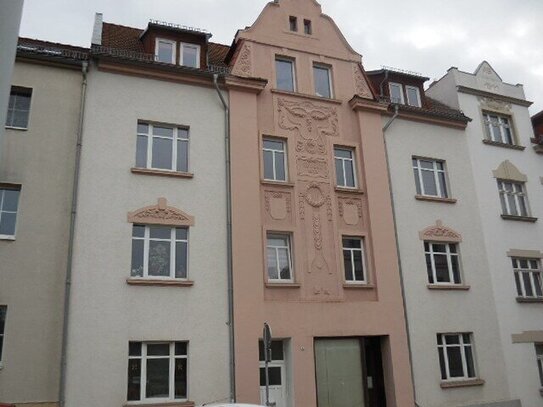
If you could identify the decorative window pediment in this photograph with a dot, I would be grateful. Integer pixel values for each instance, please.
(161, 214)
(507, 171)
(440, 233)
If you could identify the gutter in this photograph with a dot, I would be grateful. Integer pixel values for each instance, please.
(68, 281)
(228, 241)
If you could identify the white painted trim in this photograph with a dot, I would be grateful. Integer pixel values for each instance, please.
(390, 85)
(174, 50)
(415, 88)
(181, 46)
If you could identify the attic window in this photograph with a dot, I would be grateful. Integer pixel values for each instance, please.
(293, 22)
(413, 96)
(165, 51)
(307, 27)
(189, 55)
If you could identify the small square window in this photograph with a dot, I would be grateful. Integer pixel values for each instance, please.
(279, 260)
(345, 167)
(321, 77)
(275, 162)
(293, 23)
(165, 51)
(430, 177)
(9, 204)
(353, 260)
(18, 107)
(396, 93)
(284, 72)
(307, 27)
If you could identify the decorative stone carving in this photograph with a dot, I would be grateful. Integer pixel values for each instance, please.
(314, 195)
(440, 233)
(301, 205)
(160, 214)
(318, 265)
(507, 171)
(495, 104)
(329, 208)
(312, 167)
(244, 63)
(350, 209)
(360, 83)
(278, 204)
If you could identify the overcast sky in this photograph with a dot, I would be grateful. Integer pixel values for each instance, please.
(425, 36)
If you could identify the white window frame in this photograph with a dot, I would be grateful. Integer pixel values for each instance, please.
(463, 347)
(292, 62)
(534, 274)
(174, 50)
(502, 126)
(449, 254)
(517, 195)
(351, 251)
(416, 89)
(19, 89)
(178, 137)
(273, 153)
(2, 189)
(143, 372)
(4, 309)
(172, 240)
(399, 85)
(330, 83)
(539, 356)
(189, 45)
(280, 363)
(343, 159)
(436, 171)
(271, 234)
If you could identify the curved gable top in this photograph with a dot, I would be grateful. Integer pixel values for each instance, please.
(507, 171)
(440, 233)
(160, 214)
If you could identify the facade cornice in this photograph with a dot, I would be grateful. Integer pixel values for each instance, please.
(477, 92)
(358, 103)
(254, 85)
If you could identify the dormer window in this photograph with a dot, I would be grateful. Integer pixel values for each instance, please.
(307, 27)
(396, 93)
(413, 96)
(293, 23)
(189, 55)
(404, 95)
(165, 51)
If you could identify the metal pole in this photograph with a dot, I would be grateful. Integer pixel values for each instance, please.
(267, 379)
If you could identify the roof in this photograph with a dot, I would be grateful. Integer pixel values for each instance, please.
(399, 72)
(128, 39)
(66, 53)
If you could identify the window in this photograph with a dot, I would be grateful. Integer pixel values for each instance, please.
(279, 257)
(165, 51)
(159, 252)
(162, 147)
(190, 55)
(353, 260)
(3, 311)
(9, 202)
(413, 96)
(284, 70)
(276, 365)
(430, 177)
(161, 366)
(396, 93)
(456, 356)
(18, 107)
(307, 27)
(539, 353)
(321, 76)
(442, 263)
(275, 168)
(528, 275)
(498, 128)
(345, 175)
(513, 198)
(293, 23)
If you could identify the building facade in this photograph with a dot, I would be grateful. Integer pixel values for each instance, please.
(507, 174)
(314, 252)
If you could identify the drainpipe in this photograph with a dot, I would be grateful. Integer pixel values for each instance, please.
(402, 283)
(68, 281)
(228, 241)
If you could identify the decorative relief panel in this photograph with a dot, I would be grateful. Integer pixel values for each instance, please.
(161, 214)
(440, 233)
(312, 167)
(350, 210)
(278, 204)
(244, 62)
(495, 104)
(508, 171)
(361, 85)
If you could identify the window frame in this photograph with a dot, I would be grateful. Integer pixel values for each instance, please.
(182, 45)
(4, 313)
(402, 98)
(173, 241)
(362, 251)
(504, 201)
(292, 62)
(539, 358)
(289, 248)
(534, 274)
(489, 134)
(308, 27)
(419, 180)
(143, 371)
(416, 88)
(275, 363)
(9, 187)
(293, 23)
(443, 345)
(273, 153)
(328, 69)
(20, 89)
(449, 254)
(174, 50)
(352, 150)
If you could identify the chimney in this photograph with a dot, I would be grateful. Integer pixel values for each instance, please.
(97, 29)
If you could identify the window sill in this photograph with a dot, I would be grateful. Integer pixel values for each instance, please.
(459, 287)
(307, 96)
(519, 218)
(529, 300)
(163, 173)
(148, 282)
(461, 383)
(283, 285)
(163, 404)
(16, 128)
(7, 237)
(349, 190)
(359, 286)
(277, 183)
(505, 145)
(435, 199)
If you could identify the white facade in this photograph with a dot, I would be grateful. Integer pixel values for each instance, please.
(520, 319)
(106, 311)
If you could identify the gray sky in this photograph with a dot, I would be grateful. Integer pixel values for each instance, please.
(425, 36)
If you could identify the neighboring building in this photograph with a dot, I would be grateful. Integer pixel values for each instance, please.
(537, 123)
(36, 178)
(456, 349)
(314, 251)
(507, 174)
(149, 309)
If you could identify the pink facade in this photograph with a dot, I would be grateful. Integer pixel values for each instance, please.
(309, 207)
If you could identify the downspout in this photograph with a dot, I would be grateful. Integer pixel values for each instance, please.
(402, 283)
(68, 281)
(228, 241)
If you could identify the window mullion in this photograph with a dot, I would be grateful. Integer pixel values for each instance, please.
(433, 263)
(436, 178)
(143, 372)
(278, 266)
(174, 148)
(149, 146)
(353, 275)
(421, 182)
(446, 357)
(172, 371)
(449, 263)
(344, 172)
(146, 245)
(273, 165)
(464, 359)
(172, 253)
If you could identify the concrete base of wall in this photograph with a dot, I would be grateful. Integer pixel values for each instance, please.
(508, 403)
